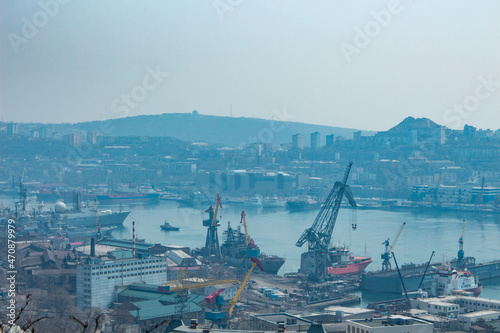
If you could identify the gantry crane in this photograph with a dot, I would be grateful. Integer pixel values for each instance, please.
(386, 264)
(212, 250)
(461, 253)
(222, 317)
(315, 261)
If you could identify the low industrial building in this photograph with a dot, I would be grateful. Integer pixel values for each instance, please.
(272, 321)
(469, 319)
(345, 313)
(436, 306)
(392, 324)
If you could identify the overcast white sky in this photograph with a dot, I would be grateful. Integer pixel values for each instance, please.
(79, 60)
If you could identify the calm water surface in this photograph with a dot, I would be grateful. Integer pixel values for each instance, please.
(277, 230)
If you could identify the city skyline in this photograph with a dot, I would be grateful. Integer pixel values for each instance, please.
(355, 66)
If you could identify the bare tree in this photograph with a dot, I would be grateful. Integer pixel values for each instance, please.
(91, 324)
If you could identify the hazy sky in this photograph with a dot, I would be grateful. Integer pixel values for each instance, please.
(358, 64)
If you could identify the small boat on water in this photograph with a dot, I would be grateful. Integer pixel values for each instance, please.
(167, 227)
(254, 202)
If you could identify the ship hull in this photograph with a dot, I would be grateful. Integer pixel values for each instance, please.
(271, 264)
(296, 206)
(89, 220)
(126, 197)
(389, 282)
(476, 291)
(347, 269)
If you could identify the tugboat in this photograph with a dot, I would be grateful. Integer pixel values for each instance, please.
(167, 227)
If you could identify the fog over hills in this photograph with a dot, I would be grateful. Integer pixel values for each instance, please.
(214, 129)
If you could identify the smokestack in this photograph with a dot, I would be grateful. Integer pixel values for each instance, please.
(133, 239)
(92, 247)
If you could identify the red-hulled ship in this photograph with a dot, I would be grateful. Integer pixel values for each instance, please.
(344, 263)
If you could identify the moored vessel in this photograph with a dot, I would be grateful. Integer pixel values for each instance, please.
(236, 252)
(448, 281)
(343, 263)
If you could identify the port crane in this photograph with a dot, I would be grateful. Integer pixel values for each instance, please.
(461, 254)
(386, 256)
(315, 261)
(244, 221)
(212, 247)
(222, 317)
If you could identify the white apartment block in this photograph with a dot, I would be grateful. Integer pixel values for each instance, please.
(96, 279)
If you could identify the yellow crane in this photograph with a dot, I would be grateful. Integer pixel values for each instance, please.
(185, 281)
(386, 256)
(211, 251)
(247, 238)
(222, 318)
(255, 262)
(217, 204)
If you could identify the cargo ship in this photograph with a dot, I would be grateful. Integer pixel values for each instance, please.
(448, 281)
(236, 253)
(87, 218)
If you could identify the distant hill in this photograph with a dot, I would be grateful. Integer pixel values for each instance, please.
(410, 123)
(213, 129)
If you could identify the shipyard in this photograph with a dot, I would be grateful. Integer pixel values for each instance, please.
(249, 167)
(226, 267)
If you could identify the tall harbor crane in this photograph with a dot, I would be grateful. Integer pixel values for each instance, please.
(315, 261)
(212, 246)
(461, 254)
(386, 264)
(244, 221)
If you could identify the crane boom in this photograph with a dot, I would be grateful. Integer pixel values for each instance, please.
(247, 238)
(217, 204)
(320, 233)
(255, 262)
(386, 256)
(397, 236)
